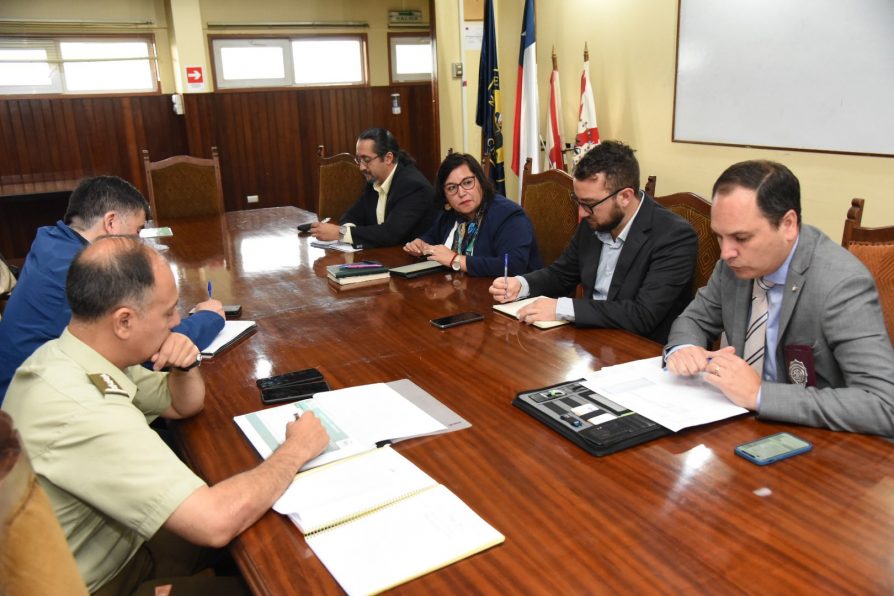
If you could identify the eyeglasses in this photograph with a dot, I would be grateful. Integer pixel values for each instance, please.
(590, 207)
(467, 183)
(364, 159)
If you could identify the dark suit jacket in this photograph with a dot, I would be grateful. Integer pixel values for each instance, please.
(830, 304)
(652, 282)
(506, 230)
(409, 210)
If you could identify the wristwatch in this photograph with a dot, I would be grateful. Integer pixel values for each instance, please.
(195, 363)
(455, 262)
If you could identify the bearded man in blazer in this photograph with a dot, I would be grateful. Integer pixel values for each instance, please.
(634, 258)
(827, 358)
(398, 203)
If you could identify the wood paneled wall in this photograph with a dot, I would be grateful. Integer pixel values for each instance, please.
(268, 139)
(267, 142)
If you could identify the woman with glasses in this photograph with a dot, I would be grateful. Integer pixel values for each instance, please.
(478, 232)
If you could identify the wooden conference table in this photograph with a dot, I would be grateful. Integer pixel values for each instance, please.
(682, 513)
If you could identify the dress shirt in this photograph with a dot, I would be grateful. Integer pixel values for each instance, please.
(382, 190)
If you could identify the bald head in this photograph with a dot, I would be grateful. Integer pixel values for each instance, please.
(112, 272)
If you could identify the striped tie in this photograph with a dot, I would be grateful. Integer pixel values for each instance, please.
(756, 334)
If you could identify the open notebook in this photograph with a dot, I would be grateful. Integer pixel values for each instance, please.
(376, 521)
(512, 308)
(232, 332)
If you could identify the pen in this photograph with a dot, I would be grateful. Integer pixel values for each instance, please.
(209, 289)
(506, 273)
(325, 220)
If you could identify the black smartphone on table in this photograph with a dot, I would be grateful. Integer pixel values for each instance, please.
(457, 319)
(287, 393)
(231, 311)
(296, 377)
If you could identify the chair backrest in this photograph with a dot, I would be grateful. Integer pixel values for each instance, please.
(697, 211)
(184, 186)
(546, 200)
(341, 184)
(34, 556)
(650, 186)
(875, 248)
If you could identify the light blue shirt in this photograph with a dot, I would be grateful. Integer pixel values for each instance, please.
(608, 262)
(774, 307)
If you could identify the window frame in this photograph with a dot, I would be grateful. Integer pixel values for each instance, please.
(287, 40)
(54, 58)
(413, 80)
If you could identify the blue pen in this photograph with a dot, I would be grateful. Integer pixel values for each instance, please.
(209, 289)
(506, 272)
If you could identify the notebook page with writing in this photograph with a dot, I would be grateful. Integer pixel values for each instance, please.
(350, 487)
(403, 541)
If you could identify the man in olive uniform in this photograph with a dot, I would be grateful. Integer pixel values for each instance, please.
(82, 405)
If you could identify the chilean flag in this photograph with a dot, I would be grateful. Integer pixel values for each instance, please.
(526, 132)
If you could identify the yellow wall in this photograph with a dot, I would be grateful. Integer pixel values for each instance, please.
(632, 47)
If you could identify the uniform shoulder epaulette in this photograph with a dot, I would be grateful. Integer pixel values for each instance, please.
(106, 384)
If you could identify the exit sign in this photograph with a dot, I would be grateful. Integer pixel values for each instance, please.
(404, 16)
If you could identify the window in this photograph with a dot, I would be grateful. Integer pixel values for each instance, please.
(77, 65)
(410, 57)
(304, 61)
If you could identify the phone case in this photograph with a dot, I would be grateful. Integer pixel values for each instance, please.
(287, 393)
(296, 377)
(741, 450)
(452, 321)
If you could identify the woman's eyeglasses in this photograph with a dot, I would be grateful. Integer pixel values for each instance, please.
(467, 183)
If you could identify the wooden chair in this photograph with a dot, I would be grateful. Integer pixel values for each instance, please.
(650, 186)
(34, 555)
(697, 211)
(546, 200)
(341, 184)
(875, 248)
(183, 186)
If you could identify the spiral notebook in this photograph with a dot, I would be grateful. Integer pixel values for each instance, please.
(376, 521)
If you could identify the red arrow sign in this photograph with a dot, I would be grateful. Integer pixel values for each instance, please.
(194, 74)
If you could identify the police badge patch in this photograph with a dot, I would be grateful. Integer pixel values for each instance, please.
(797, 372)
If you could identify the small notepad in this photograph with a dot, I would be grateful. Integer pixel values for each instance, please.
(232, 332)
(512, 308)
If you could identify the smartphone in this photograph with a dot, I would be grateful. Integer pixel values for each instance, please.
(773, 448)
(232, 311)
(296, 377)
(287, 393)
(457, 319)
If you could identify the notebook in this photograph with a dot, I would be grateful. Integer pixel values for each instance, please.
(511, 309)
(335, 245)
(376, 521)
(232, 332)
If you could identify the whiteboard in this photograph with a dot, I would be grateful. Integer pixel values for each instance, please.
(798, 74)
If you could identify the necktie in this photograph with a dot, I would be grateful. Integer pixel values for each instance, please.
(756, 334)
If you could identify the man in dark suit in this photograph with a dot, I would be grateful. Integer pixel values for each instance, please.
(396, 206)
(810, 347)
(634, 258)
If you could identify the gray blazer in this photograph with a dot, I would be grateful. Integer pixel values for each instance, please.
(831, 304)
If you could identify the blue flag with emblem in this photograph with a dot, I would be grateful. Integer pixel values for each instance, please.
(488, 114)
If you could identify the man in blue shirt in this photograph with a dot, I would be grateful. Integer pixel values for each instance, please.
(38, 310)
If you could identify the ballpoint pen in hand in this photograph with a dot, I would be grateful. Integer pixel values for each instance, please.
(506, 274)
(325, 220)
(209, 289)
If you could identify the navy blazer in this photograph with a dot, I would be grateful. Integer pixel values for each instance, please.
(409, 210)
(652, 282)
(506, 229)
